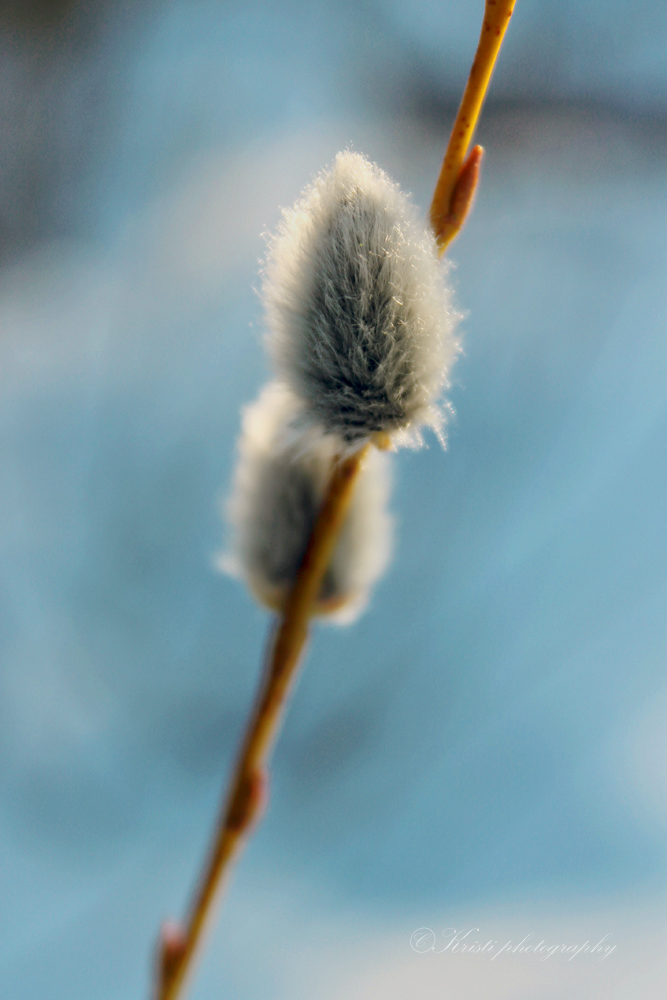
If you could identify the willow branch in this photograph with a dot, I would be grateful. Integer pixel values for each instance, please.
(458, 178)
(452, 199)
(179, 947)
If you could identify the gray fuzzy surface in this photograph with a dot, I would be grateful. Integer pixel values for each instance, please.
(360, 319)
(281, 474)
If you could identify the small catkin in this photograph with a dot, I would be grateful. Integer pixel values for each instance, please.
(282, 472)
(360, 320)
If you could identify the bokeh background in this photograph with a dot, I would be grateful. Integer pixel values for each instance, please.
(486, 748)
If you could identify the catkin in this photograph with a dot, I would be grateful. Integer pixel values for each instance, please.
(360, 319)
(281, 476)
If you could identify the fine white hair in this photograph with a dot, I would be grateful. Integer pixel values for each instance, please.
(282, 472)
(360, 319)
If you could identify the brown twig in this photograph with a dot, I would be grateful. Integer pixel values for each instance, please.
(455, 188)
(178, 947)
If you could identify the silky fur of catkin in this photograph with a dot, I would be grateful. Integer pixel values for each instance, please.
(360, 319)
(282, 472)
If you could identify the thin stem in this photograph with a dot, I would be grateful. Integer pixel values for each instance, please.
(449, 207)
(178, 948)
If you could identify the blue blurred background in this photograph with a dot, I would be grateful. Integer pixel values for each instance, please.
(486, 748)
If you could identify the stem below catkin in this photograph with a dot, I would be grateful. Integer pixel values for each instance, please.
(247, 793)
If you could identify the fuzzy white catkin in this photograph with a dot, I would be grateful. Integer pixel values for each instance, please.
(360, 319)
(281, 476)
